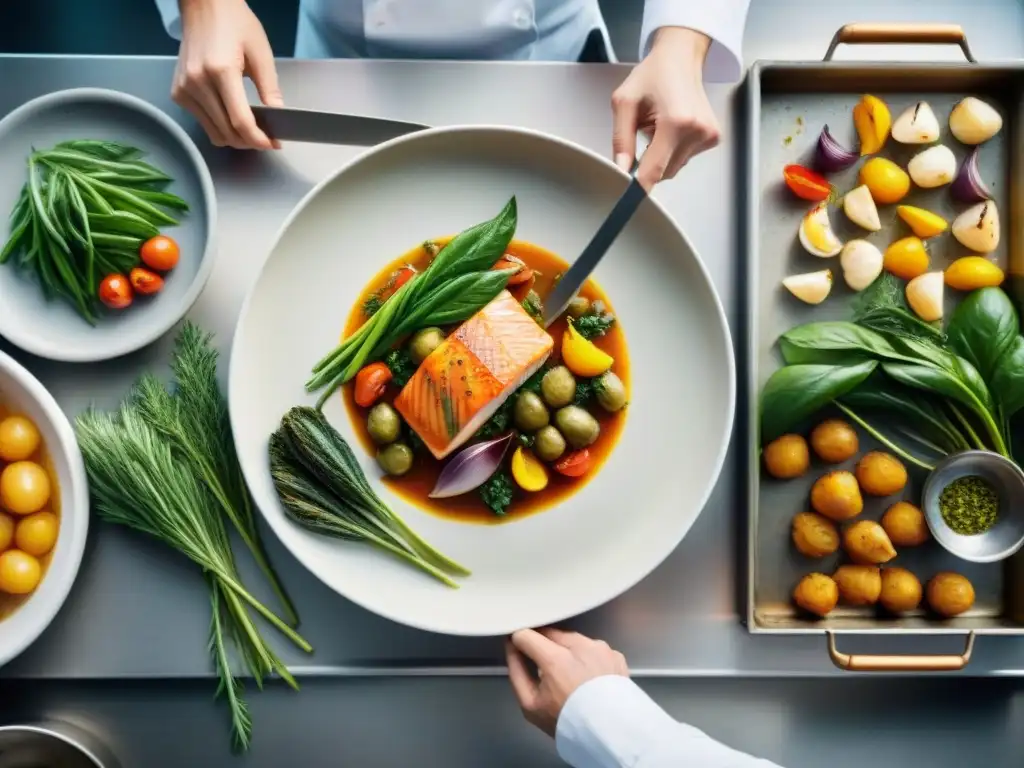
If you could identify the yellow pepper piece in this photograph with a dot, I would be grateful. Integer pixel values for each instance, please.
(921, 222)
(969, 273)
(886, 181)
(906, 258)
(582, 357)
(872, 119)
(528, 472)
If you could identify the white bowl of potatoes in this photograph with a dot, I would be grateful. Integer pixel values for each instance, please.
(44, 508)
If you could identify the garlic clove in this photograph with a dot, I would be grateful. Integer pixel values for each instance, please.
(917, 125)
(925, 295)
(977, 228)
(973, 121)
(933, 167)
(860, 208)
(810, 287)
(861, 262)
(816, 234)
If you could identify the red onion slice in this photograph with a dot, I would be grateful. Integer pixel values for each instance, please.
(968, 186)
(831, 155)
(471, 467)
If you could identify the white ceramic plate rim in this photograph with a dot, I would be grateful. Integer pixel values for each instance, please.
(71, 354)
(277, 521)
(74, 501)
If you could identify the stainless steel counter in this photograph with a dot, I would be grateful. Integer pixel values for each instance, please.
(137, 610)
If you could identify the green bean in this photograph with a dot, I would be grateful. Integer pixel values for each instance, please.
(109, 240)
(90, 248)
(165, 199)
(87, 162)
(40, 207)
(15, 243)
(111, 191)
(123, 223)
(108, 150)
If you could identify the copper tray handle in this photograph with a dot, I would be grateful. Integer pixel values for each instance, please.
(861, 663)
(851, 34)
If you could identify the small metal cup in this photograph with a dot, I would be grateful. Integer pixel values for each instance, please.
(1006, 536)
(54, 744)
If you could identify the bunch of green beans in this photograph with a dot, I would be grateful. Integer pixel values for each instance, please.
(86, 209)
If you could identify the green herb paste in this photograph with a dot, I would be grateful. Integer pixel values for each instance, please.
(969, 505)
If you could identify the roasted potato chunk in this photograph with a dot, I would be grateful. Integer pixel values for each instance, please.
(950, 594)
(901, 590)
(834, 441)
(881, 474)
(814, 535)
(837, 496)
(867, 543)
(858, 584)
(816, 593)
(905, 525)
(787, 457)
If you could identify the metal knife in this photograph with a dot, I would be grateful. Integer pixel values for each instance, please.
(287, 124)
(577, 274)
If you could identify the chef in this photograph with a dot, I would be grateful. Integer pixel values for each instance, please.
(581, 695)
(683, 42)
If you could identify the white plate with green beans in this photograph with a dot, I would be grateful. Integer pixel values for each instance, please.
(109, 215)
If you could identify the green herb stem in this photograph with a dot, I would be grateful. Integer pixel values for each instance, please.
(883, 439)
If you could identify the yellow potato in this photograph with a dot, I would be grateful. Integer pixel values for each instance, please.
(950, 594)
(837, 496)
(858, 584)
(19, 573)
(36, 534)
(867, 543)
(834, 441)
(814, 535)
(787, 457)
(901, 590)
(905, 525)
(881, 474)
(24, 488)
(816, 593)
(19, 438)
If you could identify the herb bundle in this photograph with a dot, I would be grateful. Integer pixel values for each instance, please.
(163, 464)
(85, 210)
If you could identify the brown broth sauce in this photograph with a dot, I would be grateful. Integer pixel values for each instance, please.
(10, 603)
(414, 486)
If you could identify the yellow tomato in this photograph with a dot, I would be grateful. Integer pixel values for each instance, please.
(36, 534)
(921, 222)
(19, 438)
(872, 119)
(6, 531)
(528, 472)
(971, 272)
(906, 258)
(19, 572)
(582, 357)
(886, 181)
(24, 488)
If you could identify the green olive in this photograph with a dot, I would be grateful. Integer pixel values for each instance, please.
(530, 412)
(558, 387)
(577, 425)
(578, 307)
(610, 392)
(383, 424)
(395, 459)
(423, 342)
(548, 444)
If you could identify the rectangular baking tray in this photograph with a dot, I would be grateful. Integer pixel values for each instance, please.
(787, 104)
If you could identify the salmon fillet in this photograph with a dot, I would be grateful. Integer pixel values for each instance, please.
(466, 379)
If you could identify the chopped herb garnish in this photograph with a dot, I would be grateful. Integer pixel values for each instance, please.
(401, 366)
(533, 306)
(585, 390)
(497, 492)
(526, 440)
(372, 305)
(592, 326)
(431, 248)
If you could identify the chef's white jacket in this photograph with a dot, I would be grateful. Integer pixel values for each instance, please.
(608, 722)
(526, 30)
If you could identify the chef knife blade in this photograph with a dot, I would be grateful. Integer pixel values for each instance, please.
(577, 274)
(310, 125)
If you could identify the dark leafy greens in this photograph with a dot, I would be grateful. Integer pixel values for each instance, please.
(497, 492)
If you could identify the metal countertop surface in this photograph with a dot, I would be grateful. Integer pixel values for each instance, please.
(138, 610)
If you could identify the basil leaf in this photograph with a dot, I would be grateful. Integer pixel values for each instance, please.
(1007, 383)
(933, 379)
(835, 343)
(796, 392)
(983, 328)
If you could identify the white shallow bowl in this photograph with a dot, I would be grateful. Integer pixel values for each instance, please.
(22, 394)
(605, 538)
(53, 329)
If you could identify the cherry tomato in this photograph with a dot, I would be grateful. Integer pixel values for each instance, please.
(395, 280)
(806, 184)
(145, 282)
(508, 261)
(116, 291)
(160, 253)
(371, 382)
(574, 464)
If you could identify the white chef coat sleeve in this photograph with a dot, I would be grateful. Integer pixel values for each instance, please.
(170, 16)
(609, 722)
(721, 20)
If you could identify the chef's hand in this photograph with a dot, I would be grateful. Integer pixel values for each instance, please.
(664, 97)
(221, 41)
(565, 661)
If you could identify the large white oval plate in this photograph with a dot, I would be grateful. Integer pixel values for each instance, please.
(626, 520)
